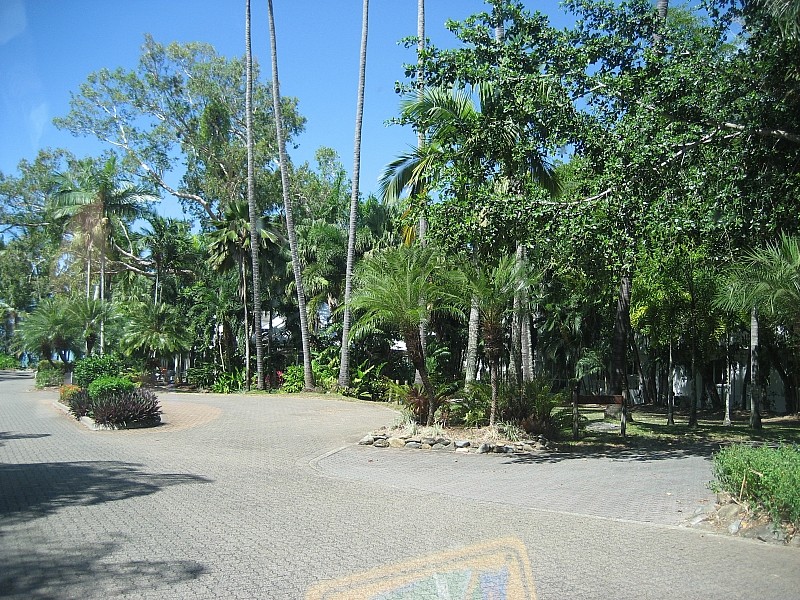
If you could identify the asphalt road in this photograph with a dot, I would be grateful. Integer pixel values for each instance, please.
(268, 497)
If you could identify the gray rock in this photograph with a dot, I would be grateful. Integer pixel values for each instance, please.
(766, 533)
(426, 446)
(428, 440)
(728, 512)
(440, 447)
(415, 445)
(462, 444)
(734, 527)
(485, 448)
(444, 441)
(527, 448)
(462, 450)
(367, 440)
(795, 541)
(697, 520)
(380, 443)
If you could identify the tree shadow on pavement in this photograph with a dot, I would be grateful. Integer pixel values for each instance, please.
(643, 451)
(86, 570)
(38, 489)
(15, 375)
(10, 435)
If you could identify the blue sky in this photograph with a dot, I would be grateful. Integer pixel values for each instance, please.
(48, 47)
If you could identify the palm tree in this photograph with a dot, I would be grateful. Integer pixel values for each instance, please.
(397, 289)
(493, 291)
(767, 281)
(229, 247)
(51, 330)
(344, 363)
(98, 201)
(251, 204)
(308, 373)
(154, 329)
(90, 314)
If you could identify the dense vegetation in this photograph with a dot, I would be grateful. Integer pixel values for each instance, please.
(584, 204)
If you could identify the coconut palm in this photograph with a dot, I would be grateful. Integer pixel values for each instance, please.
(229, 248)
(251, 202)
(344, 363)
(398, 288)
(97, 202)
(308, 373)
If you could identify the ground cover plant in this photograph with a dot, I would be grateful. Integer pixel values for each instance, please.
(766, 477)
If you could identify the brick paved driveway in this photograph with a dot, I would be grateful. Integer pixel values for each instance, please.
(264, 497)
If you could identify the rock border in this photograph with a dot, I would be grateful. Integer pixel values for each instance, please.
(464, 446)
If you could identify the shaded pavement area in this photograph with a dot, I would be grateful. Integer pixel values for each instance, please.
(268, 497)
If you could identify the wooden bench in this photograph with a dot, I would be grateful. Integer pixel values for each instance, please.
(600, 399)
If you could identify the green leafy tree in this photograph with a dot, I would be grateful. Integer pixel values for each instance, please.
(51, 330)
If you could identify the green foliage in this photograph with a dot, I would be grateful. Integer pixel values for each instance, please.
(293, 379)
(326, 368)
(48, 375)
(126, 408)
(91, 368)
(473, 409)
(8, 362)
(228, 383)
(367, 383)
(202, 376)
(109, 385)
(767, 477)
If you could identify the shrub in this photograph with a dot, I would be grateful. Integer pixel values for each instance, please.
(293, 379)
(49, 376)
(202, 376)
(106, 386)
(66, 391)
(91, 368)
(80, 405)
(8, 362)
(766, 477)
(132, 407)
(227, 383)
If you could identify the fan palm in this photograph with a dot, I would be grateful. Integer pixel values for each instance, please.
(51, 330)
(89, 314)
(769, 279)
(396, 290)
(156, 329)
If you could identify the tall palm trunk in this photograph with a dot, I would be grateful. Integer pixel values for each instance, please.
(755, 387)
(621, 332)
(251, 205)
(287, 203)
(471, 367)
(344, 364)
(423, 220)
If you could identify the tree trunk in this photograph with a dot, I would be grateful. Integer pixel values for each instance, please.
(527, 349)
(729, 376)
(344, 363)
(693, 397)
(670, 389)
(494, 367)
(621, 331)
(755, 388)
(471, 367)
(255, 237)
(247, 373)
(575, 414)
(287, 203)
